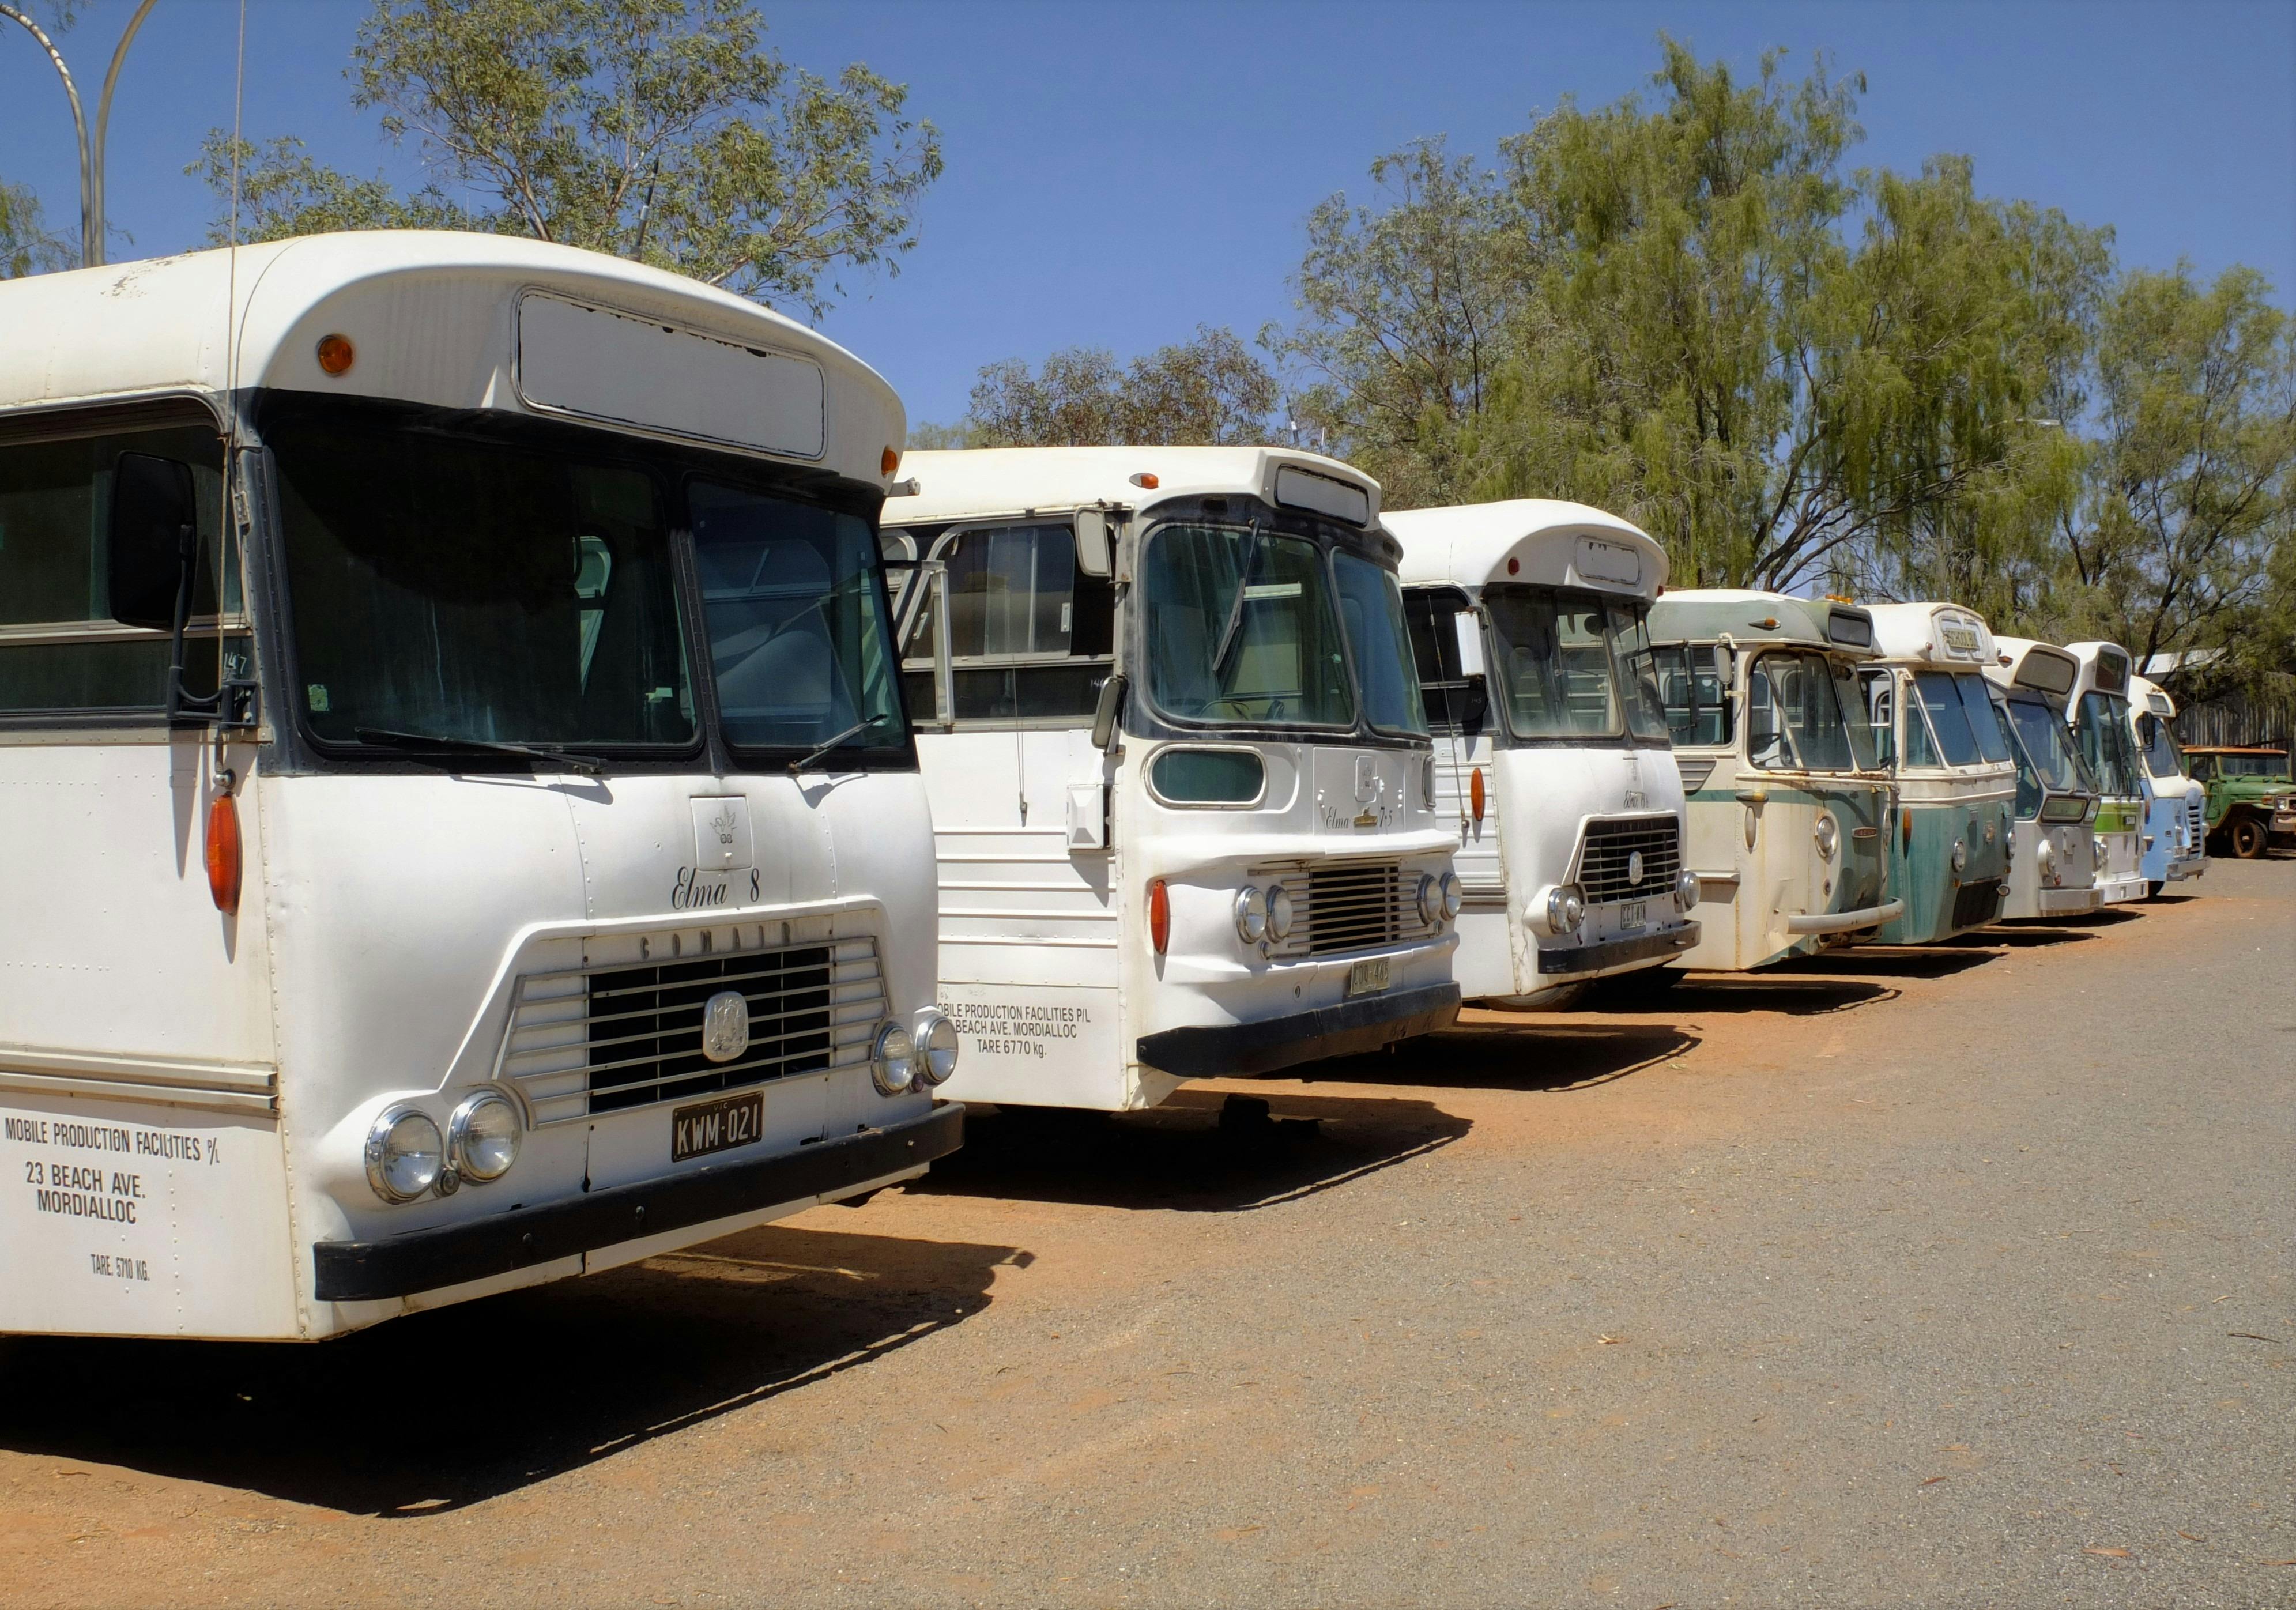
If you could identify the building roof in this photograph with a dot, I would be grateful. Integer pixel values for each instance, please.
(439, 317)
(981, 483)
(1541, 541)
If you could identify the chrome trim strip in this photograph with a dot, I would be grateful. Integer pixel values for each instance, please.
(229, 1087)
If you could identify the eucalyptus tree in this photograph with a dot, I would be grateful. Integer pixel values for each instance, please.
(661, 130)
(1208, 391)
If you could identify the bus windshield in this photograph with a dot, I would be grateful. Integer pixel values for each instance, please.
(1240, 628)
(2101, 730)
(2044, 748)
(1804, 714)
(1961, 716)
(1573, 665)
(2162, 758)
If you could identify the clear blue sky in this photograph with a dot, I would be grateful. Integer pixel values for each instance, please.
(1119, 173)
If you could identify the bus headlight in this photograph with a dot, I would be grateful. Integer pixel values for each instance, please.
(405, 1153)
(2096, 851)
(1250, 916)
(2045, 859)
(483, 1135)
(940, 1048)
(893, 1060)
(1279, 911)
(1558, 910)
(1960, 855)
(1430, 907)
(1828, 835)
(1453, 896)
(1685, 889)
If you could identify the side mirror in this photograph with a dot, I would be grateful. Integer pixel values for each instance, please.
(153, 541)
(1470, 633)
(1104, 714)
(1092, 541)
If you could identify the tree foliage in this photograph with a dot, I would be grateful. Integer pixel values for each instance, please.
(661, 130)
(1211, 389)
(26, 244)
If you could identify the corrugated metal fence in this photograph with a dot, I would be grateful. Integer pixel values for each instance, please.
(2268, 719)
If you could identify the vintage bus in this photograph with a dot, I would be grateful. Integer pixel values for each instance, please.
(2056, 856)
(1936, 728)
(2176, 808)
(1183, 795)
(2097, 707)
(458, 823)
(1557, 770)
(1788, 799)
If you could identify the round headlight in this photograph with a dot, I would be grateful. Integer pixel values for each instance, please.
(1564, 909)
(1828, 835)
(1685, 889)
(1430, 910)
(1960, 855)
(1453, 896)
(2096, 851)
(893, 1060)
(1279, 911)
(482, 1136)
(2045, 856)
(939, 1042)
(403, 1154)
(1250, 916)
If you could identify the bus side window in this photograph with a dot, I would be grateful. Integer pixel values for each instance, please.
(1030, 636)
(1452, 701)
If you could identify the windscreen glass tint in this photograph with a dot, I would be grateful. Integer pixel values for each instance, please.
(2101, 733)
(1370, 606)
(1241, 630)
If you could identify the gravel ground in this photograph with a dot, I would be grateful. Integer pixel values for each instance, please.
(1959, 1276)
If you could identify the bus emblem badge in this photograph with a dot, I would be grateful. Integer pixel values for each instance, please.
(725, 1026)
(1634, 868)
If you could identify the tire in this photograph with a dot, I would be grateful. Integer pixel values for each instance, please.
(2248, 839)
(2153, 888)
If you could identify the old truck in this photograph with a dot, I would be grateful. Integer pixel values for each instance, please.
(2252, 797)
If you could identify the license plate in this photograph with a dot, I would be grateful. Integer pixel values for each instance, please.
(1368, 976)
(715, 1125)
(1634, 914)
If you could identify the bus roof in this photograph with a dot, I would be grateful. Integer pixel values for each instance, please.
(981, 483)
(2043, 667)
(1933, 633)
(2148, 694)
(1747, 615)
(1541, 541)
(458, 320)
(2103, 667)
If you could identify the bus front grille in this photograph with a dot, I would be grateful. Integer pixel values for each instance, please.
(1629, 859)
(613, 1035)
(1349, 905)
(1977, 904)
(2196, 822)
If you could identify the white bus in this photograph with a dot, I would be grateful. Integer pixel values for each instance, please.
(1788, 801)
(2176, 807)
(2097, 707)
(1182, 790)
(2052, 869)
(1557, 771)
(1936, 724)
(458, 823)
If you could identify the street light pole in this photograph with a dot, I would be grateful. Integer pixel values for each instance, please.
(91, 153)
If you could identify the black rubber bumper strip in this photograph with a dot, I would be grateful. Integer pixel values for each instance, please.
(424, 1261)
(1280, 1042)
(1611, 953)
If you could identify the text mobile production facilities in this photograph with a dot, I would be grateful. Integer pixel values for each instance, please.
(1183, 795)
(528, 870)
(1528, 620)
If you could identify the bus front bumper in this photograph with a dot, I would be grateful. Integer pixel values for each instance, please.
(1346, 1029)
(424, 1261)
(1846, 922)
(1616, 953)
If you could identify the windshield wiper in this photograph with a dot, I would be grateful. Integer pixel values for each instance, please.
(819, 750)
(1235, 606)
(427, 740)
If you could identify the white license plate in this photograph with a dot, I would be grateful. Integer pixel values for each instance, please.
(1368, 976)
(1634, 914)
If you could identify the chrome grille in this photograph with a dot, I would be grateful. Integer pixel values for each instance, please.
(1606, 858)
(2195, 822)
(614, 1035)
(1349, 905)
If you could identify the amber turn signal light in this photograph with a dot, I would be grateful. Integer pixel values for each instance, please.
(223, 853)
(889, 460)
(335, 354)
(1146, 479)
(1159, 915)
(1475, 795)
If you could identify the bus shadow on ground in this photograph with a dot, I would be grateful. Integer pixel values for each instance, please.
(1772, 990)
(1886, 961)
(2024, 936)
(431, 1412)
(1530, 1054)
(1200, 1151)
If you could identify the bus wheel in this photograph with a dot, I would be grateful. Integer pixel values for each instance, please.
(2153, 889)
(2248, 838)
